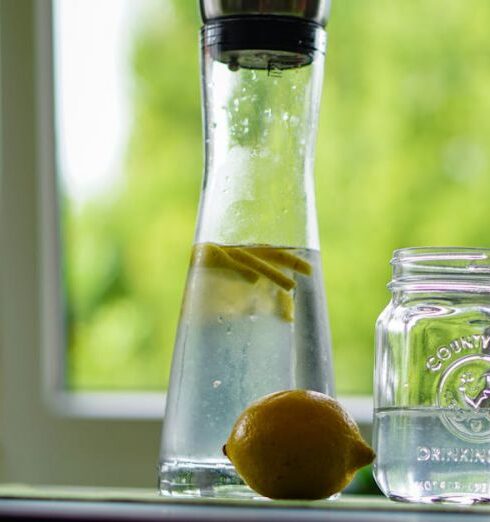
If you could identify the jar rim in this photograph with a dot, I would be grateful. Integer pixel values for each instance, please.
(445, 253)
(443, 266)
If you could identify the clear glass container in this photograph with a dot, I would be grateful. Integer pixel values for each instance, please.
(253, 318)
(432, 378)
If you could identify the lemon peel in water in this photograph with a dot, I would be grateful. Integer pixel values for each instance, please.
(282, 258)
(297, 444)
(285, 306)
(266, 269)
(251, 263)
(214, 256)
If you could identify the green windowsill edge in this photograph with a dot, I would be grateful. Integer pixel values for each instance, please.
(346, 502)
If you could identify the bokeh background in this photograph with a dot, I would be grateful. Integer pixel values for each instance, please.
(402, 160)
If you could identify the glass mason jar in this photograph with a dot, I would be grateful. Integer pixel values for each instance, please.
(432, 378)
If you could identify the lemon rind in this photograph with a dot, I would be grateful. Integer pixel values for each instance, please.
(283, 258)
(255, 263)
(285, 306)
(211, 255)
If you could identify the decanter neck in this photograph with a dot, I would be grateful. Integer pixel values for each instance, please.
(260, 129)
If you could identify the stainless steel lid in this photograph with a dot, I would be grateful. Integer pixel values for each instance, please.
(312, 10)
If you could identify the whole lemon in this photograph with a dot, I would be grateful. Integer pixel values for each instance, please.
(296, 444)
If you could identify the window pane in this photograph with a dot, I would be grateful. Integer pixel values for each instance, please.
(401, 160)
(129, 149)
(402, 152)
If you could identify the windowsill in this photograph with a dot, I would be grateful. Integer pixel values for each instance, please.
(69, 503)
(151, 405)
(108, 405)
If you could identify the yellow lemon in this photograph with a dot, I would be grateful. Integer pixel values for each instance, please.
(297, 444)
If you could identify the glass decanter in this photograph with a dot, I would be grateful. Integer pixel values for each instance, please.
(254, 317)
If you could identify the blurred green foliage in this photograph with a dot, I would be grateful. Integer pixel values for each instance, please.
(401, 161)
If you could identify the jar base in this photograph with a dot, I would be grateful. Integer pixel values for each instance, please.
(464, 500)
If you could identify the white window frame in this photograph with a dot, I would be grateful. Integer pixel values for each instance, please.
(47, 439)
(55, 436)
